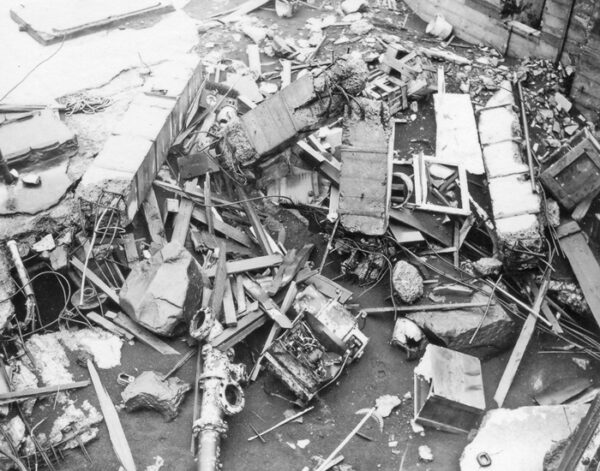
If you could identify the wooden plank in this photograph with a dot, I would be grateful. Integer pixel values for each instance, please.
(240, 295)
(14, 396)
(286, 73)
(141, 334)
(424, 307)
(265, 302)
(111, 418)
(208, 202)
(216, 300)
(249, 264)
(246, 325)
(229, 313)
(259, 230)
(108, 325)
(183, 217)
(95, 279)
(153, 218)
(224, 228)
(292, 262)
(583, 262)
(253, 53)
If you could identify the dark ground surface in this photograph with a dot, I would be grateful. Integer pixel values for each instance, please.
(382, 370)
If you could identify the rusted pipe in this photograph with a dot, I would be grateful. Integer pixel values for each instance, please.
(222, 395)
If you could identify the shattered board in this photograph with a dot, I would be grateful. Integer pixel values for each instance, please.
(50, 22)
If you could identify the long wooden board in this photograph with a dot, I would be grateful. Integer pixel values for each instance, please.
(13, 396)
(111, 417)
(583, 262)
(141, 334)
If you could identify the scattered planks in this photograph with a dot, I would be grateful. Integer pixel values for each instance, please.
(183, 217)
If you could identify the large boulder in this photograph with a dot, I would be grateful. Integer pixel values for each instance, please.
(149, 391)
(164, 292)
(454, 329)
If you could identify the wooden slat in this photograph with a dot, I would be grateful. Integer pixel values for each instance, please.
(181, 225)
(223, 228)
(141, 334)
(266, 303)
(111, 418)
(229, 313)
(249, 264)
(95, 279)
(216, 300)
(108, 325)
(246, 325)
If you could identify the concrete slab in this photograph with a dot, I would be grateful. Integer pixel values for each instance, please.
(518, 439)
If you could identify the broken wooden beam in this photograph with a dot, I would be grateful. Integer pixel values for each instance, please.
(108, 325)
(423, 307)
(181, 225)
(154, 220)
(249, 264)
(111, 418)
(233, 335)
(95, 279)
(266, 303)
(223, 228)
(14, 396)
(141, 334)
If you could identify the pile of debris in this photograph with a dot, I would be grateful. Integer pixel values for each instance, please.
(480, 239)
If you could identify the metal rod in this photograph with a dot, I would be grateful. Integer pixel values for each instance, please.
(530, 162)
(329, 244)
(283, 422)
(354, 431)
(487, 308)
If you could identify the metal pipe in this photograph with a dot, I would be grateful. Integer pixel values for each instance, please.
(222, 395)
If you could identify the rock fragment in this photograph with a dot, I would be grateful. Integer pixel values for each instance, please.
(407, 281)
(149, 391)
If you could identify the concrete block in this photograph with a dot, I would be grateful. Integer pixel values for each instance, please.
(124, 153)
(96, 179)
(512, 195)
(502, 159)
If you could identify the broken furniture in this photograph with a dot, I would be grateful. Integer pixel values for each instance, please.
(222, 395)
(574, 173)
(390, 90)
(313, 352)
(448, 390)
(414, 68)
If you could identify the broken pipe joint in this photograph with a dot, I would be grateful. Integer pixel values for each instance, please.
(222, 396)
(203, 323)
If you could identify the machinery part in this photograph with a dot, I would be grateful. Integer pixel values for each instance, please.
(222, 395)
(204, 325)
(124, 379)
(484, 460)
(312, 354)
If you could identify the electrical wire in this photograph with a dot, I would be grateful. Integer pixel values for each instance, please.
(39, 64)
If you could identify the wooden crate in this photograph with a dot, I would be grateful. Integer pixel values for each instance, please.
(391, 90)
(448, 390)
(576, 175)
